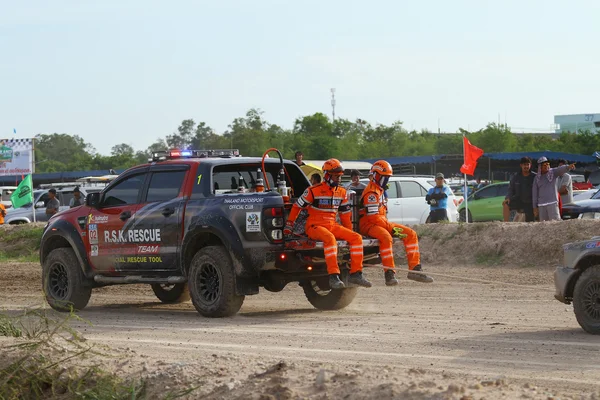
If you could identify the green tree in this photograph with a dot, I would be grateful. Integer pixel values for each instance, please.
(315, 134)
(62, 152)
(249, 134)
(495, 138)
(122, 150)
(183, 137)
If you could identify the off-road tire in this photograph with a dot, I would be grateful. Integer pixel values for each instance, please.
(63, 281)
(321, 297)
(461, 216)
(586, 300)
(171, 293)
(211, 282)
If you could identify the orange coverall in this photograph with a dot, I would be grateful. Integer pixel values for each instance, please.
(374, 223)
(2, 213)
(322, 203)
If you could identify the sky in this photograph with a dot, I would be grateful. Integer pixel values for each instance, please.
(129, 71)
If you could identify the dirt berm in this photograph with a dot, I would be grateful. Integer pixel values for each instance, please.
(498, 243)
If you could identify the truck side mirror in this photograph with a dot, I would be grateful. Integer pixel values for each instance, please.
(40, 204)
(92, 200)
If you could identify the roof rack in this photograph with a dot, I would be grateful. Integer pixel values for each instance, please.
(58, 185)
(163, 155)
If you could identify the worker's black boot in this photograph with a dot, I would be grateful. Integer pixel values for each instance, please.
(335, 282)
(357, 278)
(418, 276)
(390, 278)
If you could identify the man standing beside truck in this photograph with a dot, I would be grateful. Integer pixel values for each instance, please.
(374, 223)
(324, 201)
(53, 204)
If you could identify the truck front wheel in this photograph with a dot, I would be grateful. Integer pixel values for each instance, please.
(63, 281)
(586, 300)
(211, 282)
(323, 298)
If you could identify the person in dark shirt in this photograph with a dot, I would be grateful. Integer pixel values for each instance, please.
(520, 188)
(298, 157)
(77, 200)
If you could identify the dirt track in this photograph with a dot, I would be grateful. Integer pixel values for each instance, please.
(449, 339)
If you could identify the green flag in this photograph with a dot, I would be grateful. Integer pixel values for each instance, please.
(24, 193)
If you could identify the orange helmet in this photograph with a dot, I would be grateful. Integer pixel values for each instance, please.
(333, 167)
(382, 167)
(381, 172)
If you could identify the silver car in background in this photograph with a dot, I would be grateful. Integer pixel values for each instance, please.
(25, 214)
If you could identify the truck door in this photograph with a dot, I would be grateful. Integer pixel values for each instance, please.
(158, 220)
(111, 246)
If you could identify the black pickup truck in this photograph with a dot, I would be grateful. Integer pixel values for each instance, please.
(191, 224)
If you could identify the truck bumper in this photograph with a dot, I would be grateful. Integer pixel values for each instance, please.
(562, 277)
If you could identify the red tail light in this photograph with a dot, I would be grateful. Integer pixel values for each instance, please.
(276, 212)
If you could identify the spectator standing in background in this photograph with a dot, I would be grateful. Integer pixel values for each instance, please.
(520, 191)
(564, 185)
(437, 198)
(2, 213)
(355, 183)
(298, 159)
(545, 195)
(77, 200)
(53, 204)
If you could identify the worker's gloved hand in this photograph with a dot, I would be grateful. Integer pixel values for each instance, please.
(287, 230)
(397, 232)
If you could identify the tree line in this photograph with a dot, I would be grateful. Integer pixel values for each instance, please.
(316, 135)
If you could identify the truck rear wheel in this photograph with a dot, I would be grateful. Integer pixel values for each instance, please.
(63, 281)
(171, 293)
(586, 300)
(323, 298)
(211, 282)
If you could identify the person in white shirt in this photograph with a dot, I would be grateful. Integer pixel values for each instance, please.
(355, 184)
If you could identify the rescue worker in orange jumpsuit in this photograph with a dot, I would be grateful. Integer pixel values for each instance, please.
(2, 213)
(373, 222)
(323, 202)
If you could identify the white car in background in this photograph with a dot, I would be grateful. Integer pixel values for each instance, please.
(5, 193)
(406, 200)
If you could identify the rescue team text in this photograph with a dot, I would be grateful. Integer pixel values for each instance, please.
(132, 236)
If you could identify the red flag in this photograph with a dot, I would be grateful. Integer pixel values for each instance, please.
(472, 154)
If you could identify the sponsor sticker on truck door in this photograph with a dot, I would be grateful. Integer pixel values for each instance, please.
(252, 222)
(93, 235)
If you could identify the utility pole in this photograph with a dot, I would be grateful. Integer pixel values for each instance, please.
(333, 103)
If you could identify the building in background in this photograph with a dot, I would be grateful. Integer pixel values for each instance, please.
(577, 123)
